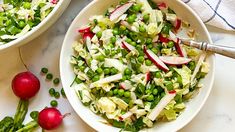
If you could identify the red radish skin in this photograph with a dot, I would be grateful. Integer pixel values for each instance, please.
(179, 48)
(120, 11)
(25, 85)
(172, 60)
(163, 39)
(177, 24)
(50, 118)
(172, 92)
(127, 46)
(84, 30)
(154, 58)
(162, 6)
(54, 1)
(88, 35)
(148, 77)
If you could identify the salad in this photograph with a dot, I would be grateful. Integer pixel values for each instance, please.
(17, 17)
(130, 67)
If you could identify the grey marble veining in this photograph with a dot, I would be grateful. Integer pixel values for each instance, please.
(216, 115)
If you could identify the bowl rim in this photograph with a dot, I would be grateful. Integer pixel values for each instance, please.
(212, 70)
(35, 29)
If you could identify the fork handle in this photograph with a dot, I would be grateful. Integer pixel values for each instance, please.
(222, 50)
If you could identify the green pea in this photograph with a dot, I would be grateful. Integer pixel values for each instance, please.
(131, 19)
(54, 103)
(124, 78)
(126, 32)
(148, 62)
(44, 70)
(122, 28)
(56, 81)
(170, 44)
(142, 29)
(133, 43)
(100, 58)
(148, 91)
(155, 50)
(49, 76)
(96, 78)
(110, 93)
(150, 46)
(99, 34)
(107, 52)
(106, 71)
(113, 40)
(127, 94)
(21, 24)
(150, 98)
(99, 70)
(115, 91)
(115, 32)
(34, 115)
(95, 21)
(57, 95)
(110, 45)
(128, 71)
(128, 40)
(146, 17)
(169, 85)
(113, 71)
(128, 77)
(158, 74)
(78, 81)
(120, 92)
(62, 92)
(82, 68)
(27, 5)
(52, 91)
(155, 91)
(113, 52)
(149, 41)
(141, 59)
(137, 7)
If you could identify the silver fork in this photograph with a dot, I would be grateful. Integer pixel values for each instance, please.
(218, 49)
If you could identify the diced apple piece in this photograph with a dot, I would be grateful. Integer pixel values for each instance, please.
(161, 105)
(120, 11)
(154, 58)
(172, 60)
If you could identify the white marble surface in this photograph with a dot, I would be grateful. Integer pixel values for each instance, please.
(216, 115)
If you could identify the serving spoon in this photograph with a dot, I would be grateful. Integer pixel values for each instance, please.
(204, 46)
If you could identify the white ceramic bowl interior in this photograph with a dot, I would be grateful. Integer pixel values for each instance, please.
(40, 28)
(97, 7)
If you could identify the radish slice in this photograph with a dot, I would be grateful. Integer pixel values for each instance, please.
(161, 105)
(177, 24)
(199, 63)
(162, 6)
(163, 39)
(106, 80)
(128, 26)
(126, 115)
(114, 63)
(171, 60)
(54, 1)
(120, 11)
(147, 77)
(84, 30)
(127, 46)
(87, 35)
(126, 85)
(155, 60)
(179, 48)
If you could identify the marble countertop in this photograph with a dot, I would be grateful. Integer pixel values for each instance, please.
(216, 115)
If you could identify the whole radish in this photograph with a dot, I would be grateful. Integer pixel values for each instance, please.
(25, 85)
(50, 118)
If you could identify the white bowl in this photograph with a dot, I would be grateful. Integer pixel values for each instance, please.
(98, 7)
(40, 28)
